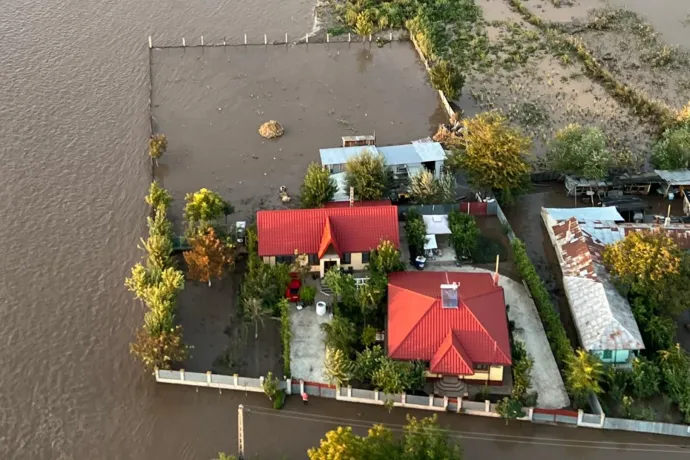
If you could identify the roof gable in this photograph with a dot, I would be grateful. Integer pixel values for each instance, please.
(451, 358)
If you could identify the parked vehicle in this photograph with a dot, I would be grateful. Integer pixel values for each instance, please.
(292, 291)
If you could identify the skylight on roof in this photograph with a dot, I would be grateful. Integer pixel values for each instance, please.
(449, 295)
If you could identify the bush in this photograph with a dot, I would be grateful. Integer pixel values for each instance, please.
(368, 175)
(279, 400)
(464, 233)
(447, 78)
(415, 231)
(555, 332)
(510, 408)
(307, 294)
(580, 151)
(270, 386)
(672, 151)
(341, 334)
(285, 335)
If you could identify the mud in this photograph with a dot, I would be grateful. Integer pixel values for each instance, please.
(210, 102)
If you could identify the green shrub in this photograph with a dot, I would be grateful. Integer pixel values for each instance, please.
(555, 332)
(307, 294)
(464, 233)
(447, 78)
(279, 400)
(580, 151)
(672, 151)
(285, 335)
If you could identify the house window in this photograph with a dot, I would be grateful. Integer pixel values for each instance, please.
(608, 354)
(347, 258)
(365, 257)
(481, 367)
(313, 259)
(285, 259)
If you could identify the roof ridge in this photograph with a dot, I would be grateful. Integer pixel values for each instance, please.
(491, 338)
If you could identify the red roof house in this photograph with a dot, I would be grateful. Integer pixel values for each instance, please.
(455, 321)
(331, 236)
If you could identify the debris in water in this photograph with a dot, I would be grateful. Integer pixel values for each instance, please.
(271, 129)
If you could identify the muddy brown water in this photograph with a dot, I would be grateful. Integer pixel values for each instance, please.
(73, 124)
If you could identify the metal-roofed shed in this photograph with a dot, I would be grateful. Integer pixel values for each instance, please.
(676, 177)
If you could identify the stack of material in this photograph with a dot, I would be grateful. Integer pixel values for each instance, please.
(271, 129)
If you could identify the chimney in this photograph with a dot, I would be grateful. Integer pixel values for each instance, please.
(450, 295)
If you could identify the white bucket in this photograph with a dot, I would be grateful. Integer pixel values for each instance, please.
(320, 308)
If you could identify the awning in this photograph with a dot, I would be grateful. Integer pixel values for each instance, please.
(430, 242)
(676, 177)
(437, 224)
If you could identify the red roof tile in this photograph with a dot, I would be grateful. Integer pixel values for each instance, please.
(313, 231)
(451, 339)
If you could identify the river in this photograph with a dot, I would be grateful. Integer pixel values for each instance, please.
(73, 127)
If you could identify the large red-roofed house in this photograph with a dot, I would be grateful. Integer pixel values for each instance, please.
(332, 236)
(454, 321)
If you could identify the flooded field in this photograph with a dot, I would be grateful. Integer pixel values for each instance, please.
(211, 101)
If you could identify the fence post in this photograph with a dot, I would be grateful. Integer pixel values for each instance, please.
(245, 39)
(445, 402)
(301, 387)
(487, 405)
(328, 37)
(237, 380)
(458, 407)
(390, 36)
(183, 42)
(349, 37)
(376, 395)
(224, 42)
(150, 42)
(403, 399)
(286, 42)
(288, 386)
(579, 416)
(157, 373)
(369, 38)
(261, 380)
(265, 40)
(208, 378)
(202, 40)
(431, 400)
(307, 38)
(530, 413)
(182, 374)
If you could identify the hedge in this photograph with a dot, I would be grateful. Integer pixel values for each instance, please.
(555, 332)
(285, 336)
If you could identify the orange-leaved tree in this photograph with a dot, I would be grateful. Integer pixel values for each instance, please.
(208, 257)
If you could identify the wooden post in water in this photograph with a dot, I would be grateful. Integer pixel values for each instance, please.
(245, 39)
(349, 37)
(224, 41)
(328, 37)
(183, 42)
(150, 42)
(265, 40)
(240, 432)
(286, 42)
(390, 36)
(307, 38)
(202, 40)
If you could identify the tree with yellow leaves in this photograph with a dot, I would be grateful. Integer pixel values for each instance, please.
(492, 153)
(644, 260)
(208, 257)
(583, 375)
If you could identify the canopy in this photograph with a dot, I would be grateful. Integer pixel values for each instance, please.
(430, 242)
(437, 224)
(677, 177)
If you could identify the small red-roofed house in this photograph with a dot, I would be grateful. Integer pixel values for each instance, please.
(454, 321)
(330, 236)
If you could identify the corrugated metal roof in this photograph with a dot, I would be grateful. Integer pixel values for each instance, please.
(437, 224)
(417, 152)
(602, 315)
(354, 229)
(676, 177)
(451, 358)
(418, 326)
(607, 213)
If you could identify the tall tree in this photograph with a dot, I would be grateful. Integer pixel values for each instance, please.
(158, 196)
(584, 373)
(208, 256)
(492, 154)
(385, 259)
(510, 408)
(446, 77)
(644, 260)
(270, 386)
(415, 231)
(337, 367)
(426, 188)
(580, 151)
(160, 351)
(464, 233)
(318, 187)
(672, 151)
(368, 174)
(204, 207)
(158, 144)
(341, 334)
(255, 312)
(425, 440)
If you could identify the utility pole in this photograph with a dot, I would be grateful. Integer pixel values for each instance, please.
(240, 432)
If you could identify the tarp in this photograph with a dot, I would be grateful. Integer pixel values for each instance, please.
(676, 177)
(608, 213)
(437, 224)
(430, 242)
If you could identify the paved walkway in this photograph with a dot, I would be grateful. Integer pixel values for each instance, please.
(307, 349)
(546, 379)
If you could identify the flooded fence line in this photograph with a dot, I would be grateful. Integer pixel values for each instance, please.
(263, 40)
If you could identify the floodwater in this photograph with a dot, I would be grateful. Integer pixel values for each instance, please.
(73, 127)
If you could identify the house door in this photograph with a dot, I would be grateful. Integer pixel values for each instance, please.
(328, 264)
